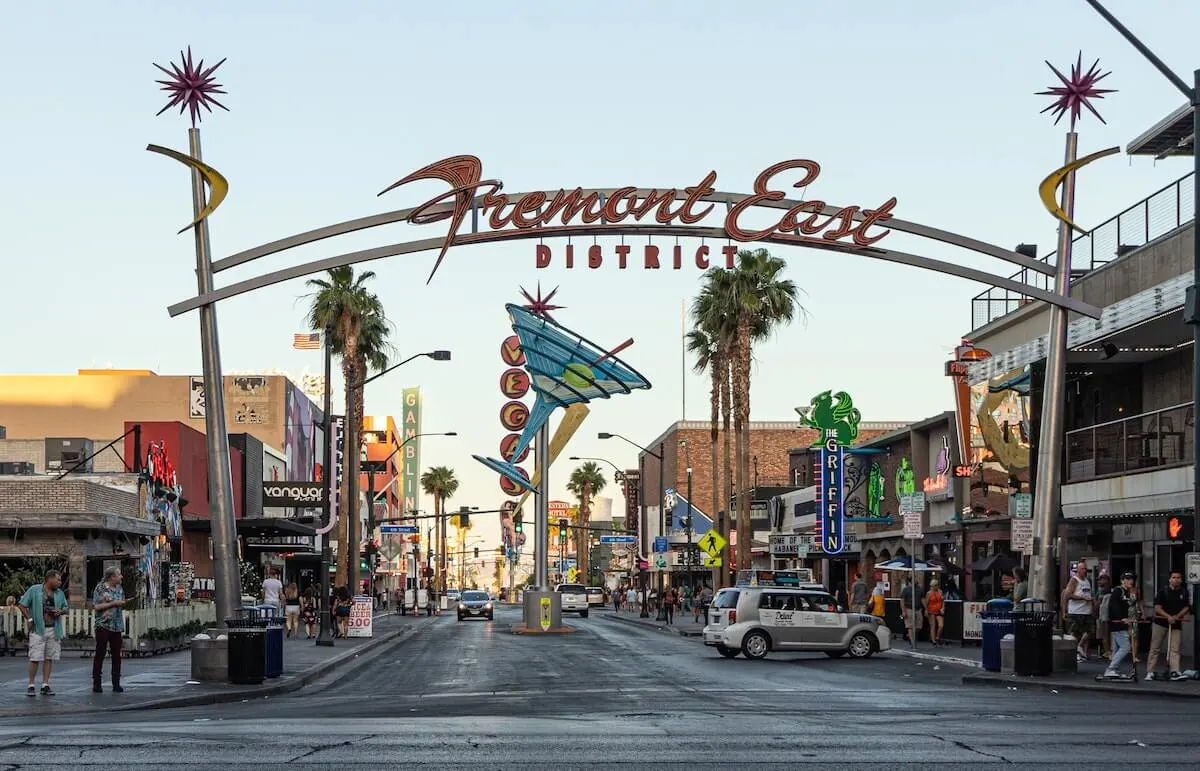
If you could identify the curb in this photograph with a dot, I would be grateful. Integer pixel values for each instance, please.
(909, 653)
(998, 680)
(660, 627)
(276, 688)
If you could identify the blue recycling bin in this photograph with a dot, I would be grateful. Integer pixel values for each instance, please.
(273, 663)
(996, 624)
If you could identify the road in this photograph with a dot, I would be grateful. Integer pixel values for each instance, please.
(471, 694)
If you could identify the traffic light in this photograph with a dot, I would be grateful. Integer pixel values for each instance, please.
(562, 530)
(476, 552)
(464, 518)
(518, 526)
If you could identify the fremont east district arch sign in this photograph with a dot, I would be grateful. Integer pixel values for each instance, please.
(476, 211)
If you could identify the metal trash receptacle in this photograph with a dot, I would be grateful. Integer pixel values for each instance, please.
(247, 649)
(1033, 639)
(273, 663)
(995, 625)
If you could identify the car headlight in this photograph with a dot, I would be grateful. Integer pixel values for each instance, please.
(488, 606)
(462, 607)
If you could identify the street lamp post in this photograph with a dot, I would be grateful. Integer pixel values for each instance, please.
(352, 440)
(689, 557)
(324, 632)
(1191, 310)
(661, 510)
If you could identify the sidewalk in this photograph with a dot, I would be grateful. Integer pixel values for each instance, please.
(1084, 680)
(165, 681)
(683, 626)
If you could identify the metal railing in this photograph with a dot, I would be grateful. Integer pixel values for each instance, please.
(1155, 215)
(1146, 442)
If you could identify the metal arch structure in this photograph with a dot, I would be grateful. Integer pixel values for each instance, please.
(434, 211)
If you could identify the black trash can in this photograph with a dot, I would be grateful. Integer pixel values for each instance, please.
(1033, 639)
(247, 649)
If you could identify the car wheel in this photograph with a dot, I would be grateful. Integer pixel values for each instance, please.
(861, 645)
(835, 654)
(727, 652)
(583, 614)
(756, 644)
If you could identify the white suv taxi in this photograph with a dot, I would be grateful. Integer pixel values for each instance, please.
(754, 621)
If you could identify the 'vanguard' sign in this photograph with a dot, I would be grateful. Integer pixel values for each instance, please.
(301, 495)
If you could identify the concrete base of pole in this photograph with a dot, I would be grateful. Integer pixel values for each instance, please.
(542, 615)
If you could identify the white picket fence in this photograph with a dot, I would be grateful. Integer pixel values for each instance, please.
(80, 620)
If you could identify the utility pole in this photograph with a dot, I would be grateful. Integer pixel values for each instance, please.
(324, 633)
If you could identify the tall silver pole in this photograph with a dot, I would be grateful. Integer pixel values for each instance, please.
(1047, 493)
(541, 509)
(227, 577)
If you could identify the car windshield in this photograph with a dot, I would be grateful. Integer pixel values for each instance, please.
(475, 597)
(572, 588)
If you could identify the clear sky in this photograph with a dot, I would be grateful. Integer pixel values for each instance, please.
(932, 102)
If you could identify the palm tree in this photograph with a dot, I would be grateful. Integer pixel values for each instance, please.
(585, 482)
(758, 299)
(703, 342)
(342, 305)
(439, 481)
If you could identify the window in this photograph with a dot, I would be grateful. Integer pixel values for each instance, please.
(821, 603)
(778, 601)
(726, 599)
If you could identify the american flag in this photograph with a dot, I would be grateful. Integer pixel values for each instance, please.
(308, 341)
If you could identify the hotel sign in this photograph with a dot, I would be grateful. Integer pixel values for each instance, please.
(831, 497)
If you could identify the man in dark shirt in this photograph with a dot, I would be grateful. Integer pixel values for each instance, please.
(1171, 607)
(1123, 614)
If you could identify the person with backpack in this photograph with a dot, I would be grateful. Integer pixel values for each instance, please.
(1124, 612)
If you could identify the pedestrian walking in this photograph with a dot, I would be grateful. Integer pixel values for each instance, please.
(1103, 634)
(859, 594)
(1171, 607)
(669, 599)
(841, 597)
(108, 606)
(291, 609)
(878, 605)
(1080, 606)
(43, 606)
(1124, 611)
(935, 605)
(912, 599)
(308, 612)
(706, 598)
(617, 596)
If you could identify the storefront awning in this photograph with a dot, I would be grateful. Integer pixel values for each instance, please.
(259, 526)
(1161, 504)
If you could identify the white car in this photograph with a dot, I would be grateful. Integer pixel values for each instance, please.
(574, 598)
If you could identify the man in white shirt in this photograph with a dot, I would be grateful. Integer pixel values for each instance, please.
(272, 589)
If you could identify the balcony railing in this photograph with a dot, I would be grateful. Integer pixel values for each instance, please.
(1148, 219)
(1146, 442)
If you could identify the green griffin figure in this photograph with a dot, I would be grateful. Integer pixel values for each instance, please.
(832, 415)
(875, 491)
(906, 484)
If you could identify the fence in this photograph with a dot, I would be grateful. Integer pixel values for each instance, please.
(1145, 442)
(1148, 219)
(80, 621)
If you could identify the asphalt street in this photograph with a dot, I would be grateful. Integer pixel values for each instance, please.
(472, 694)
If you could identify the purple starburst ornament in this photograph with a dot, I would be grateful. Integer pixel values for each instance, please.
(539, 305)
(191, 86)
(1076, 91)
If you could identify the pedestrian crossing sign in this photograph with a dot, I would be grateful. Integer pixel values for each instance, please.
(712, 543)
(712, 562)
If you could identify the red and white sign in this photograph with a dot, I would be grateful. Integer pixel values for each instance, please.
(362, 615)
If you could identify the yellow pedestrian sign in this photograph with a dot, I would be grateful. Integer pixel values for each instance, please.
(712, 562)
(712, 543)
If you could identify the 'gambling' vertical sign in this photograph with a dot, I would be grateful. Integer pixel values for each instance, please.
(831, 519)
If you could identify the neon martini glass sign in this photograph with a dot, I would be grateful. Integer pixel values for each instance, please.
(564, 369)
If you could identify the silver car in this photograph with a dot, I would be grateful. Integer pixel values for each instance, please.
(757, 620)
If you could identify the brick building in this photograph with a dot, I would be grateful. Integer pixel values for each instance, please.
(90, 524)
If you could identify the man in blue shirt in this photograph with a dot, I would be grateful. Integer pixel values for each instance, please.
(108, 604)
(43, 606)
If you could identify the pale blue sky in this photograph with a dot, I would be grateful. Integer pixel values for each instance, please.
(930, 101)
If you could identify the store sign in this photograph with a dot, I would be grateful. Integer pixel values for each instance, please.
(831, 492)
(936, 485)
(299, 495)
(283, 542)
(633, 480)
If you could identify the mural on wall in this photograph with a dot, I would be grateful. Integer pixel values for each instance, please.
(196, 400)
(875, 491)
(249, 397)
(1000, 445)
(298, 436)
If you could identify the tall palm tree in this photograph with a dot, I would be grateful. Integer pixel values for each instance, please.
(585, 482)
(711, 313)
(341, 303)
(440, 482)
(759, 300)
(702, 341)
